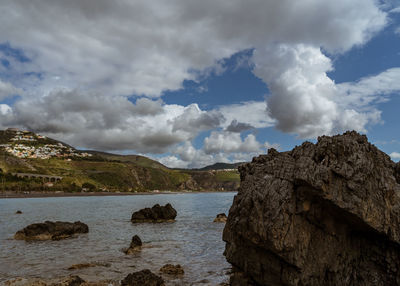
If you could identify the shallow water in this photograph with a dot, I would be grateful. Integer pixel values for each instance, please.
(193, 241)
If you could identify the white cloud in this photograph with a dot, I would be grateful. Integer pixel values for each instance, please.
(229, 142)
(397, 31)
(7, 90)
(395, 155)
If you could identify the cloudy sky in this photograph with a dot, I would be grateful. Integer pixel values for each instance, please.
(192, 83)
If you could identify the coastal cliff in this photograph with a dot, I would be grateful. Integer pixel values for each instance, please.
(322, 214)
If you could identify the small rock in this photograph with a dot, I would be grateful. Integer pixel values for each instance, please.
(136, 245)
(18, 212)
(221, 218)
(70, 281)
(142, 278)
(87, 265)
(172, 269)
(51, 230)
(155, 214)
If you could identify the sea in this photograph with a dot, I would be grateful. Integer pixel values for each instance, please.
(194, 241)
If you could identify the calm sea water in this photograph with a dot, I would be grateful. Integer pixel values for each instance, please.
(193, 241)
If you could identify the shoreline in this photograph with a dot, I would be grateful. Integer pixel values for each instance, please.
(11, 195)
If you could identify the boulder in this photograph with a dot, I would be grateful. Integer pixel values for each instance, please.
(322, 214)
(136, 245)
(220, 218)
(51, 230)
(142, 278)
(155, 214)
(171, 269)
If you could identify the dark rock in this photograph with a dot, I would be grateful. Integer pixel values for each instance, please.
(220, 218)
(136, 245)
(142, 278)
(70, 281)
(87, 265)
(18, 212)
(155, 214)
(51, 230)
(323, 214)
(172, 269)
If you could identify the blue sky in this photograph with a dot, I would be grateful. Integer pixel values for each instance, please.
(191, 84)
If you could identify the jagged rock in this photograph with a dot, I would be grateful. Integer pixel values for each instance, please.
(136, 245)
(220, 218)
(323, 214)
(142, 278)
(155, 214)
(51, 230)
(172, 269)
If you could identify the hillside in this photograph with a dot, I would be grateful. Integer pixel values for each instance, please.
(27, 152)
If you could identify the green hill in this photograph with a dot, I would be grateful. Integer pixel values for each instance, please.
(27, 152)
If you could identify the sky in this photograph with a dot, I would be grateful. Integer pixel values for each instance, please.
(191, 83)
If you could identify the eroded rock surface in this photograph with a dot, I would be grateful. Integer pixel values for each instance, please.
(142, 278)
(51, 230)
(155, 214)
(322, 214)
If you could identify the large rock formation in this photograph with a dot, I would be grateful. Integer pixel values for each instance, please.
(51, 230)
(155, 214)
(323, 214)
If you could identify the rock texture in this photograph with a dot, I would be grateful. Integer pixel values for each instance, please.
(51, 230)
(171, 269)
(142, 278)
(155, 214)
(220, 218)
(323, 214)
(136, 245)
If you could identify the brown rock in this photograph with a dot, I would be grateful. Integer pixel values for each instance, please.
(136, 245)
(51, 230)
(142, 278)
(220, 218)
(155, 214)
(323, 214)
(87, 265)
(172, 269)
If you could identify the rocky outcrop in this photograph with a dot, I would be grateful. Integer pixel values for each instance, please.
(142, 278)
(171, 269)
(220, 218)
(155, 214)
(322, 214)
(136, 245)
(51, 230)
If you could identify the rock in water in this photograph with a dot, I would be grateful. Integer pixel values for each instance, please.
(51, 230)
(136, 245)
(220, 218)
(171, 269)
(142, 278)
(323, 214)
(155, 214)
(18, 212)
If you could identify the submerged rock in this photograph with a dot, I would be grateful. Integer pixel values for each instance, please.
(142, 278)
(322, 214)
(155, 214)
(136, 245)
(220, 218)
(88, 265)
(51, 230)
(171, 269)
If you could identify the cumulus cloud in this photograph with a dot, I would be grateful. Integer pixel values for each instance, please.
(7, 90)
(395, 155)
(236, 126)
(84, 59)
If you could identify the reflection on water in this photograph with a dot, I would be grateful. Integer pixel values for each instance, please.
(193, 241)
